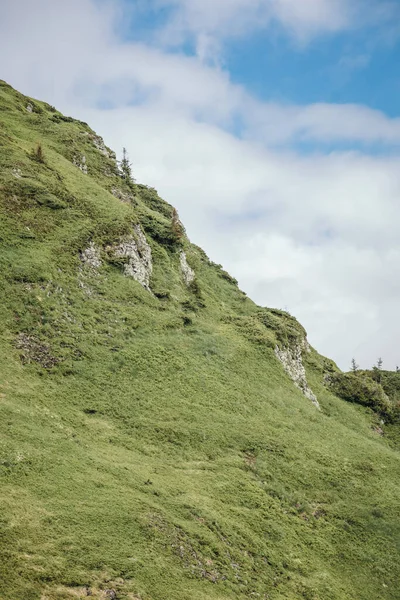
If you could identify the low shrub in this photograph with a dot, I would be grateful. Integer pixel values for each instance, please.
(38, 154)
(160, 230)
(152, 200)
(287, 329)
(360, 390)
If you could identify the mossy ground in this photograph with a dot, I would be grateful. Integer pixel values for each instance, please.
(152, 446)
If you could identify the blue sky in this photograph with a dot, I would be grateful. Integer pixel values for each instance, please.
(339, 68)
(272, 125)
(356, 65)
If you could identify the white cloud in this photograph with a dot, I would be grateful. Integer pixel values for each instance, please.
(229, 18)
(316, 234)
(303, 18)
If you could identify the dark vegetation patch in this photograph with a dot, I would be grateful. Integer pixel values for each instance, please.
(152, 200)
(32, 350)
(270, 327)
(362, 390)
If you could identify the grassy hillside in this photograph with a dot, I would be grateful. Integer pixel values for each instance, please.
(153, 446)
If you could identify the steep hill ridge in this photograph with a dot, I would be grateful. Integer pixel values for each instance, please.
(164, 437)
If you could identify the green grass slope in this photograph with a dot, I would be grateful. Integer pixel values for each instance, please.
(152, 446)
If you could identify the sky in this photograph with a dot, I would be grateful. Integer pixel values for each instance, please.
(272, 125)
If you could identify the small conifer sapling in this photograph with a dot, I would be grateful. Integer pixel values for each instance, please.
(377, 370)
(126, 167)
(354, 365)
(38, 154)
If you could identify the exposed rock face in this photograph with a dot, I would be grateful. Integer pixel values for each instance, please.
(29, 108)
(187, 271)
(291, 359)
(140, 263)
(100, 145)
(123, 196)
(91, 256)
(80, 162)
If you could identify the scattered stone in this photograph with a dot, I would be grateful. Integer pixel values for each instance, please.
(91, 262)
(17, 173)
(82, 284)
(187, 271)
(29, 108)
(139, 263)
(123, 196)
(80, 162)
(378, 430)
(91, 256)
(291, 359)
(35, 351)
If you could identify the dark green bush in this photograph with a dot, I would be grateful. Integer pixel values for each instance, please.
(360, 390)
(225, 275)
(57, 118)
(287, 329)
(251, 328)
(152, 200)
(29, 189)
(50, 201)
(222, 273)
(159, 230)
(162, 294)
(38, 154)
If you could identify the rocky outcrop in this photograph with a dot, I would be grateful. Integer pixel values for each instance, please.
(101, 147)
(187, 272)
(90, 257)
(134, 251)
(123, 196)
(29, 108)
(80, 162)
(139, 264)
(292, 361)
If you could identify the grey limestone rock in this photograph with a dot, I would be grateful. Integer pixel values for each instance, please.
(101, 147)
(138, 252)
(123, 196)
(80, 162)
(91, 256)
(187, 271)
(292, 361)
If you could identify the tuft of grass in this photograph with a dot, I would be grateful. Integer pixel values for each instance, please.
(38, 154)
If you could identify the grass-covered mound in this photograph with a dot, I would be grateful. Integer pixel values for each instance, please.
(362, 389)
(153, 447)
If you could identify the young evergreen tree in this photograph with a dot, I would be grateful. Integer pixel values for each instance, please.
(126, 167)
(38, 154)
(354, 365)
(377, 370)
